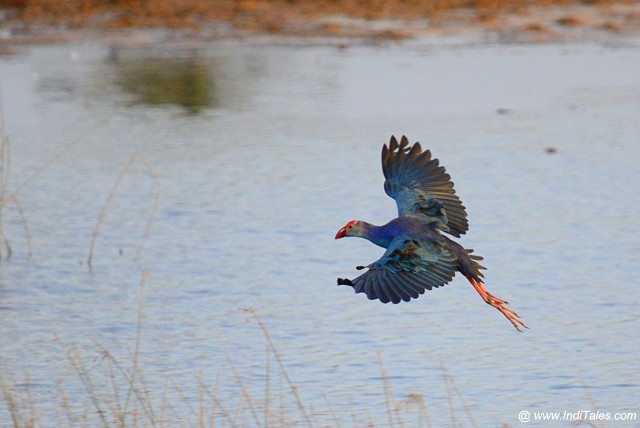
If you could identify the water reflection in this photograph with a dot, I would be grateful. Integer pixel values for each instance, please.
(192, 79)
(185, 82)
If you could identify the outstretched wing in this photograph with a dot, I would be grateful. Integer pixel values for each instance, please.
(405, 271)
(421, 187)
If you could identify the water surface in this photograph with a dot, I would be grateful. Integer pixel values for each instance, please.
(256, 155)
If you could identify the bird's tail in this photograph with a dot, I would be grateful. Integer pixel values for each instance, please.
(471, 267)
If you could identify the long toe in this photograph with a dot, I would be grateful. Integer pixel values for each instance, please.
(513, 317)
(509, 313)
(495, 299)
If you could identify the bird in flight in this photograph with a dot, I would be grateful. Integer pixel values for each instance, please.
(418, 256)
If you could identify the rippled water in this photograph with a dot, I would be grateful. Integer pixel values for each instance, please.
(256, 155)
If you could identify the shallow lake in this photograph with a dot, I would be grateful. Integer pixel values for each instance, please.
(225, 170)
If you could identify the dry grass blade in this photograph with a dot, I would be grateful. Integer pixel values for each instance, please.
(414, 401)
(116, 394)
(388, 395)
(354, 420)
(449, 394)
(245, 392)
(136, 391)
(202, 414)
(134, 364)
(336, 423)
(154, 206)
(112, 193)
(32, 407)
(65, 404)
(27, 232)
(12, 404)
(221, 408)
(281, 413)
(84, 377)
(294, 389)
(452, 389)
(133, 377)
(587, 423)
(164, 402)
(4, 179)
(267, 388)
(593, 403)
(5, 173)
(184, 398)
(216, 409)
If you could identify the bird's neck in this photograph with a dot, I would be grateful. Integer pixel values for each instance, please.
(377, 234)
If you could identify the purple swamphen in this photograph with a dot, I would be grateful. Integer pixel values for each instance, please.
(418, 256)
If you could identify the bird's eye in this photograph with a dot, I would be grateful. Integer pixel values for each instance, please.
(350, 227)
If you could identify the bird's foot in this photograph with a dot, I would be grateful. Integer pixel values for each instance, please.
(510, 314)
(496, 299)
(499, 304)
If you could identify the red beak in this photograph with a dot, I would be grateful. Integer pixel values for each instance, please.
(341, 233)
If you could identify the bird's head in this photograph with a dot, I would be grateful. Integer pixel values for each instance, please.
(353, 228)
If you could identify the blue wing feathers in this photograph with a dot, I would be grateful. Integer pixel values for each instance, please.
(385, 293)
(415, 283)
(388, 288)
(408, 290)
(405, 271)
(413, 289)
(400, 289)
(412, 176)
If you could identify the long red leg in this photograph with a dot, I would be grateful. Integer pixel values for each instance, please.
(498, 303)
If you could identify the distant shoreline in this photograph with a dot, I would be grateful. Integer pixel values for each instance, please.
(381, 21)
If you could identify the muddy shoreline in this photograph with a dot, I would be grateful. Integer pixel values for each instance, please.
(26, 21)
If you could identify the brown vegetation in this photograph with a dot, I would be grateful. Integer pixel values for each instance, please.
(571, 21)
(296, 17)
